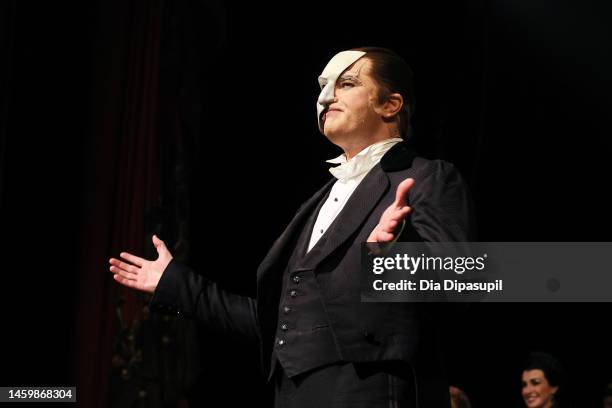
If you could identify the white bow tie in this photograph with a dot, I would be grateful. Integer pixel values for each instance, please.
(362, 162)
(353, 168)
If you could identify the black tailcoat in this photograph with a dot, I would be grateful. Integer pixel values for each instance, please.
(441, 212)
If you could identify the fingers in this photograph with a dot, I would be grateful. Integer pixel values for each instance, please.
(126, 282)
(384, 236)
(123, 273)
(122, 266)
(127, 275)
(380, 236)
(132, 258)
(159, 244)
(398, 214)
(396, 218)
(401, 195)
(404, 212)
(390, 226)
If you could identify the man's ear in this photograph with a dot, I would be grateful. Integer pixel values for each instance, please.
(392, 105)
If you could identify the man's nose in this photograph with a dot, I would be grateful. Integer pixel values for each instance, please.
(327, 95)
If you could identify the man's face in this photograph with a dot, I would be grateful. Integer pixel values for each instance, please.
(327, 80)
(350, 108)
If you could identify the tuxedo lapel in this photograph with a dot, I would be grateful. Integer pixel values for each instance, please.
(280, 248)
(355, 212)
(357, 209)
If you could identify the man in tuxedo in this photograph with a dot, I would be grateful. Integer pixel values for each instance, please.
(320, 345)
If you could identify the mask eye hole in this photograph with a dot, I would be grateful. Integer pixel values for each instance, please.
(322, 82)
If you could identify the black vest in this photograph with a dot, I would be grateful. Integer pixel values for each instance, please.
(304, 338)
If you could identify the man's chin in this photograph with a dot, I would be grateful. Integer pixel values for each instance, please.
(333, 131)
(333, 135)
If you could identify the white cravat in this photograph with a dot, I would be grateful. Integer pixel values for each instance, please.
(349, 174)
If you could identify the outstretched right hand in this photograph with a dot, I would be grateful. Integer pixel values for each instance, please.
(138, 273)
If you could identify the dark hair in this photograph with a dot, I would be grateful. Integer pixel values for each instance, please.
(550, 366)
(552, 369)
(393, 75)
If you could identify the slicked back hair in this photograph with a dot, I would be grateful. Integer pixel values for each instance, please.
(393, 75)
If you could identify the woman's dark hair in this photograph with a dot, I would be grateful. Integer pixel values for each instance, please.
(552, 369)
(393, 75)
(550, 366)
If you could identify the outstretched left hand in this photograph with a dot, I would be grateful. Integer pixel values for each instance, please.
(393, 216)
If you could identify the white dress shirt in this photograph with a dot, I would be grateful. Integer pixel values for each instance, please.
(349, 174)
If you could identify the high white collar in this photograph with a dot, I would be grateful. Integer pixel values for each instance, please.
(362, 162)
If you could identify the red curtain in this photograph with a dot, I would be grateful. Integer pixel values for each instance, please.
(125, 180)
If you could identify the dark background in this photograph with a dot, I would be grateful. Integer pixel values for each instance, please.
(221, 97)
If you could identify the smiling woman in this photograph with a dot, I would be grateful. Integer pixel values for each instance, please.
(541, 381)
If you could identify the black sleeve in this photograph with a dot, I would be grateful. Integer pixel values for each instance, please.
(181, 291)
(442, 209)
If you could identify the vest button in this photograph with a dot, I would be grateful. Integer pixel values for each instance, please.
(284, 326)
(296, 279)
(293, 293)
(281, 342)
(286, 309)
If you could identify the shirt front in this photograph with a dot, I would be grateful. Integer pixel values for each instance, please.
(349, 174)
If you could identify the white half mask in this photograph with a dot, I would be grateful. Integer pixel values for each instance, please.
(327, 79)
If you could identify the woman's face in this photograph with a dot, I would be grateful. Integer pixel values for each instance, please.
(537, 392)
